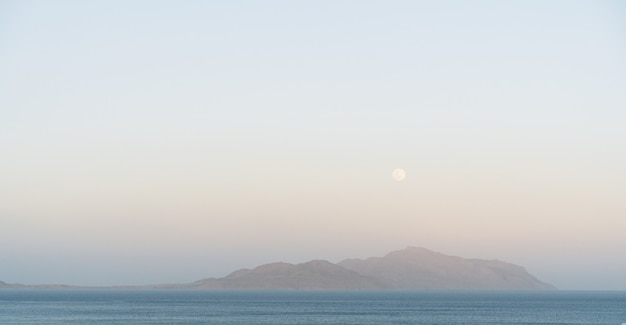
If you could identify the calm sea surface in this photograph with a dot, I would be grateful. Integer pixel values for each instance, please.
(309, 307)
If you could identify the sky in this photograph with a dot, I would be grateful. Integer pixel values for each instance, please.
(148, 142)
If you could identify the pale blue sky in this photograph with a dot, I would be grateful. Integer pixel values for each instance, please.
(155, 141)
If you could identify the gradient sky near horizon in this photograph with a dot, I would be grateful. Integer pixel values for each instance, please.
(168, 141)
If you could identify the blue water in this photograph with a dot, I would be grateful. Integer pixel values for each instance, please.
(297, 307)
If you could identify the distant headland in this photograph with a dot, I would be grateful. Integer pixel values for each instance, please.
(409, 269)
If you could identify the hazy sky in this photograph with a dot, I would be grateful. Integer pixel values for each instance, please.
(168, 141)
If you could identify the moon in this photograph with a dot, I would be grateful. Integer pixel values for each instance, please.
(398, 174)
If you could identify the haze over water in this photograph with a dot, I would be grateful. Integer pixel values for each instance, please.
(163, 142)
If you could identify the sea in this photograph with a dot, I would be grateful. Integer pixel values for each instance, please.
(311, 307)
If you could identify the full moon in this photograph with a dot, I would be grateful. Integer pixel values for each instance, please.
(398, 174)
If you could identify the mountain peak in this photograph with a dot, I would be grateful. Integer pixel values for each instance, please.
(418, 268)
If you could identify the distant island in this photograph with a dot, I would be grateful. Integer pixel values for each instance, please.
(408, 269)
(412, 268)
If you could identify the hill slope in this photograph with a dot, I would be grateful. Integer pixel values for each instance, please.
(314, 275)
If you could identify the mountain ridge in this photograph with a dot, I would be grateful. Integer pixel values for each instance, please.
(412, 268)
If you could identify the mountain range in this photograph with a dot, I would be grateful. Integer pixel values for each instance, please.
(412, 268)
(408, 269)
